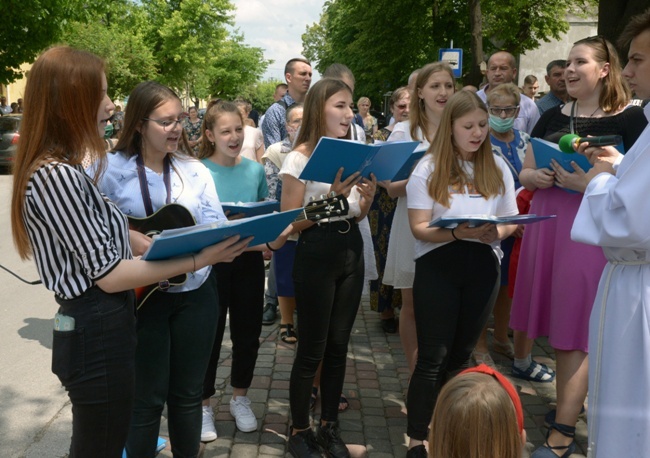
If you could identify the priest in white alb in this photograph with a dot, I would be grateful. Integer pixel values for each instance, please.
(615, 214)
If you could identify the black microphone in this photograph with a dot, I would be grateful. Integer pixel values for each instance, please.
(569, 143)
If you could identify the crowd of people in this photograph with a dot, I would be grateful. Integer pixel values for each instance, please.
(122, 360)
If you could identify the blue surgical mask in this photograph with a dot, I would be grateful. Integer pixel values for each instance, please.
(500, 124)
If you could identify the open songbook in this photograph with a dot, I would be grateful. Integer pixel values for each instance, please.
(384, 160)
(251, 208)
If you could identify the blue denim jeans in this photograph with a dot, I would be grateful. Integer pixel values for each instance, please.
(95, 364)
(175, 336)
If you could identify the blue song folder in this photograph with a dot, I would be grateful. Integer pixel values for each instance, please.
(384, 160)
(171, 243)
(251, 208)
(405, 172)
(544, 151)
(478, 220)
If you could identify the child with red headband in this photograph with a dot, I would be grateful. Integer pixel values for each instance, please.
(478, 414)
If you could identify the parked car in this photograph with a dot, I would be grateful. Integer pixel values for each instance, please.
(9, 126)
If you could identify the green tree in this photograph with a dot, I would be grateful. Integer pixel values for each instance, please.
(129, 60)
(260, 94)
(28, 27)
(185, 35)
(235, 67)
(382, 41)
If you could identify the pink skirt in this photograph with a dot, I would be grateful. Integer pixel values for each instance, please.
(557, 278)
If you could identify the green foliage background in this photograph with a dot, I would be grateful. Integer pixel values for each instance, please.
(383, 41)
(185, 44)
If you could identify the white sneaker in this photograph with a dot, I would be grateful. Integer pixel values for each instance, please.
(240, 408)
(208, 431)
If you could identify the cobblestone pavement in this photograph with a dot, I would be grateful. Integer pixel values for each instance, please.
(375, 384)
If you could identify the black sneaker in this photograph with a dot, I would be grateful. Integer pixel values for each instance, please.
(329, 437)
(303, 445)
(417, 452)
(269, 313)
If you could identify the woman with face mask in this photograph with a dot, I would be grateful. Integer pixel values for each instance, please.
(511, 145)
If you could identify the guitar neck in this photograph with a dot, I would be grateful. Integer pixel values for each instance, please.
(330, 207)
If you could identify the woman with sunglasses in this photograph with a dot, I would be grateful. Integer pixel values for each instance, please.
(557, 278)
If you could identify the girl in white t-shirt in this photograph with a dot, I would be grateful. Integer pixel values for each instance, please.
(328, 271)
(456, 270)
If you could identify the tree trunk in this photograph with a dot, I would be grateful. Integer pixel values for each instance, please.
(613, 16)
(474, 76)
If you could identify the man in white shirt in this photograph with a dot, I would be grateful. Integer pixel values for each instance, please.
(4, 108)
(615, 214)
(502, 68)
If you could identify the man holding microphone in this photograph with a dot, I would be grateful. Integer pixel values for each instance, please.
(615, 214)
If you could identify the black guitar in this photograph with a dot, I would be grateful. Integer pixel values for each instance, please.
(175, 216)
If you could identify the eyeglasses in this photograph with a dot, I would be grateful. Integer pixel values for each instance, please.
(509, 111)
(166, 125)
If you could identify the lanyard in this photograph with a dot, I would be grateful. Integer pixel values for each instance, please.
(144, 186)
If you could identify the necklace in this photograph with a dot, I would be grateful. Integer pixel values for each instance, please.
(572, 118)
(590, 116)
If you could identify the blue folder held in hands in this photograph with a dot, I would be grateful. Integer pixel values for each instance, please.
(384, 160)
(479, 220)
(544, 151)
(171, 243)
(251, 208)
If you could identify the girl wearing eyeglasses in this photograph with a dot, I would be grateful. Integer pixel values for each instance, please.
(176, 327)
(557, 278)
(511, 145)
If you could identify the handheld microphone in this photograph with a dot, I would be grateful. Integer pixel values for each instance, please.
(569, 143)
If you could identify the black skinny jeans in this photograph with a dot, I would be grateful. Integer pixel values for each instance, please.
(328, 276)
(175, 335)
(240, 285)
(454, 291)
(95, 362)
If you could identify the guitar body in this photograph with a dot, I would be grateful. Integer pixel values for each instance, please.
(171, 216)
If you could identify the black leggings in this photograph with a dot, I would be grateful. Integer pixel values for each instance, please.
(454, 290)
(328, 276)
(240, 285)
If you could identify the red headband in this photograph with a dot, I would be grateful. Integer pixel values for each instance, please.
(505, 383)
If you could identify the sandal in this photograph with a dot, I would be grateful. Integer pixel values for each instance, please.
(343, 401)
(287, 334)
(536, 372)
(313, 398)
(506, 349)
(483, 358)
(546, 450)
(549, 418)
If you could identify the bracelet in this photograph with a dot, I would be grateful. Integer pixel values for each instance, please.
(454, 235)
(194, 263)
(269, 247)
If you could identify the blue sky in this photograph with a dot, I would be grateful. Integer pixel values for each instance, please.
(276, 26)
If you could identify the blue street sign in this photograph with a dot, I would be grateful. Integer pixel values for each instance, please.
(454, 57)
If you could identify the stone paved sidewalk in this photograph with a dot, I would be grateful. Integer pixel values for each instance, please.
(375, 384)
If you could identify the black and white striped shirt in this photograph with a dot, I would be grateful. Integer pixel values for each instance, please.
(77, 235)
